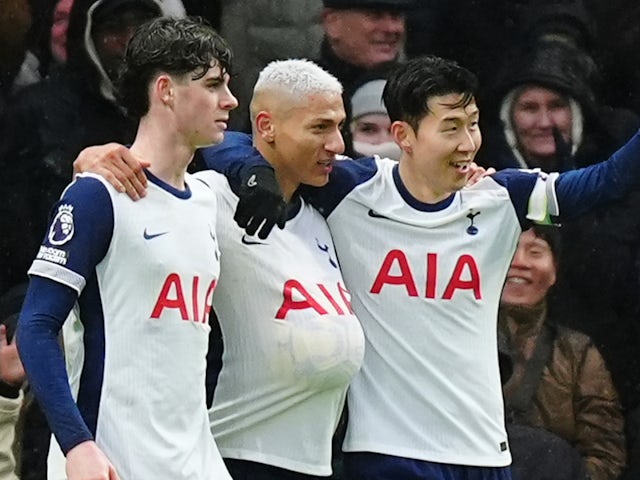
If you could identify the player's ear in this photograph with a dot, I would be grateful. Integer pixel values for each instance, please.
(163, 89)
(264, 126)
(403, 135)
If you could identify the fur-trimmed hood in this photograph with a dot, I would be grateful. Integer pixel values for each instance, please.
(82, 56)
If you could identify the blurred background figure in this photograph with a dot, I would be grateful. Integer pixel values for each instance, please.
(15, 23)
(360, 35)
(48, 123)
(12, 379)
(559, 380)
(260, 31)
(475, 33)
(544, 111)
(59, 29)
(368, 121)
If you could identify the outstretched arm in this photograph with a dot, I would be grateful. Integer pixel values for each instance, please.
(579, 191)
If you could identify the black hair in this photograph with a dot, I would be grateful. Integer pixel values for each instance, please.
(551, 235)
(176, 46)
(411, 86)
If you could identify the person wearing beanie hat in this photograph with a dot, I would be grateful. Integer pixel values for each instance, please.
(362, 35)
(370, 124)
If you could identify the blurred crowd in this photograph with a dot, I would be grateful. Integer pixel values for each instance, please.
(559, 90)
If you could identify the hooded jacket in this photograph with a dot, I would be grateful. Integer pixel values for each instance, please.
(48, 124)
(597, 130)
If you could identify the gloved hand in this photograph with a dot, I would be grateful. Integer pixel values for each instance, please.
(564, 158)
(261, 205)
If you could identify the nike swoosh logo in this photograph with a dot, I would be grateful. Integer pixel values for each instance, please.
(249, 241)
(149, 236)
(374, 214)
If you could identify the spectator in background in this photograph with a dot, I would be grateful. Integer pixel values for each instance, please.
(59, 29)
(12, 377)
(475, 33)
(361, 35)
(50, 122)
(545, 87)
(538, 454)
(15, 21)
(370, 125)
(560, 381)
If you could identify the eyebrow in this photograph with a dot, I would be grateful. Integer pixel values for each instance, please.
(459, 118)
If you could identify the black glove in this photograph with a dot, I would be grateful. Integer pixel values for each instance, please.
(261, 204)
(564, 159)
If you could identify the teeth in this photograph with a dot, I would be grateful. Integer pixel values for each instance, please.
(518, 280)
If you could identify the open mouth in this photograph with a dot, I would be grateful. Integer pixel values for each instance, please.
(327, 165)
(517, 280)
(462, 167)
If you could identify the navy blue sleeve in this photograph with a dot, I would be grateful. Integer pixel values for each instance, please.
(237, 152)
(78, 235)
(232, 156)
(46, 306)
(519, 184)
(579, 191)
(345, 176)
(77, 239)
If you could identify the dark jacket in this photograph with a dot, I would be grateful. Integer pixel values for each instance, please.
(538, 454)
(571, 394)
(48, 124)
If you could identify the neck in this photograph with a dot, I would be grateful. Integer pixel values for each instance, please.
(167, 152)
(420, 186)
(523, 320)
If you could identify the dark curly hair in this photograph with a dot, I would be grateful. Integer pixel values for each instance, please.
(176, 46)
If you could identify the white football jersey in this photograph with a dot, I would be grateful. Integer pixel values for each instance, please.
(144, 312)
(426, 283)
(291, 340)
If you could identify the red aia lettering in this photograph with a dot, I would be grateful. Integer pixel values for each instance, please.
(294, 287)
(405, 276)
(172, 297)
(457, 282)
(290, 304)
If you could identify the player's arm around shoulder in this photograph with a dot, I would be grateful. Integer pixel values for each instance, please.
(117, 165)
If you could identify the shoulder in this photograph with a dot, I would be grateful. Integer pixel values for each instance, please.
(573, 339)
